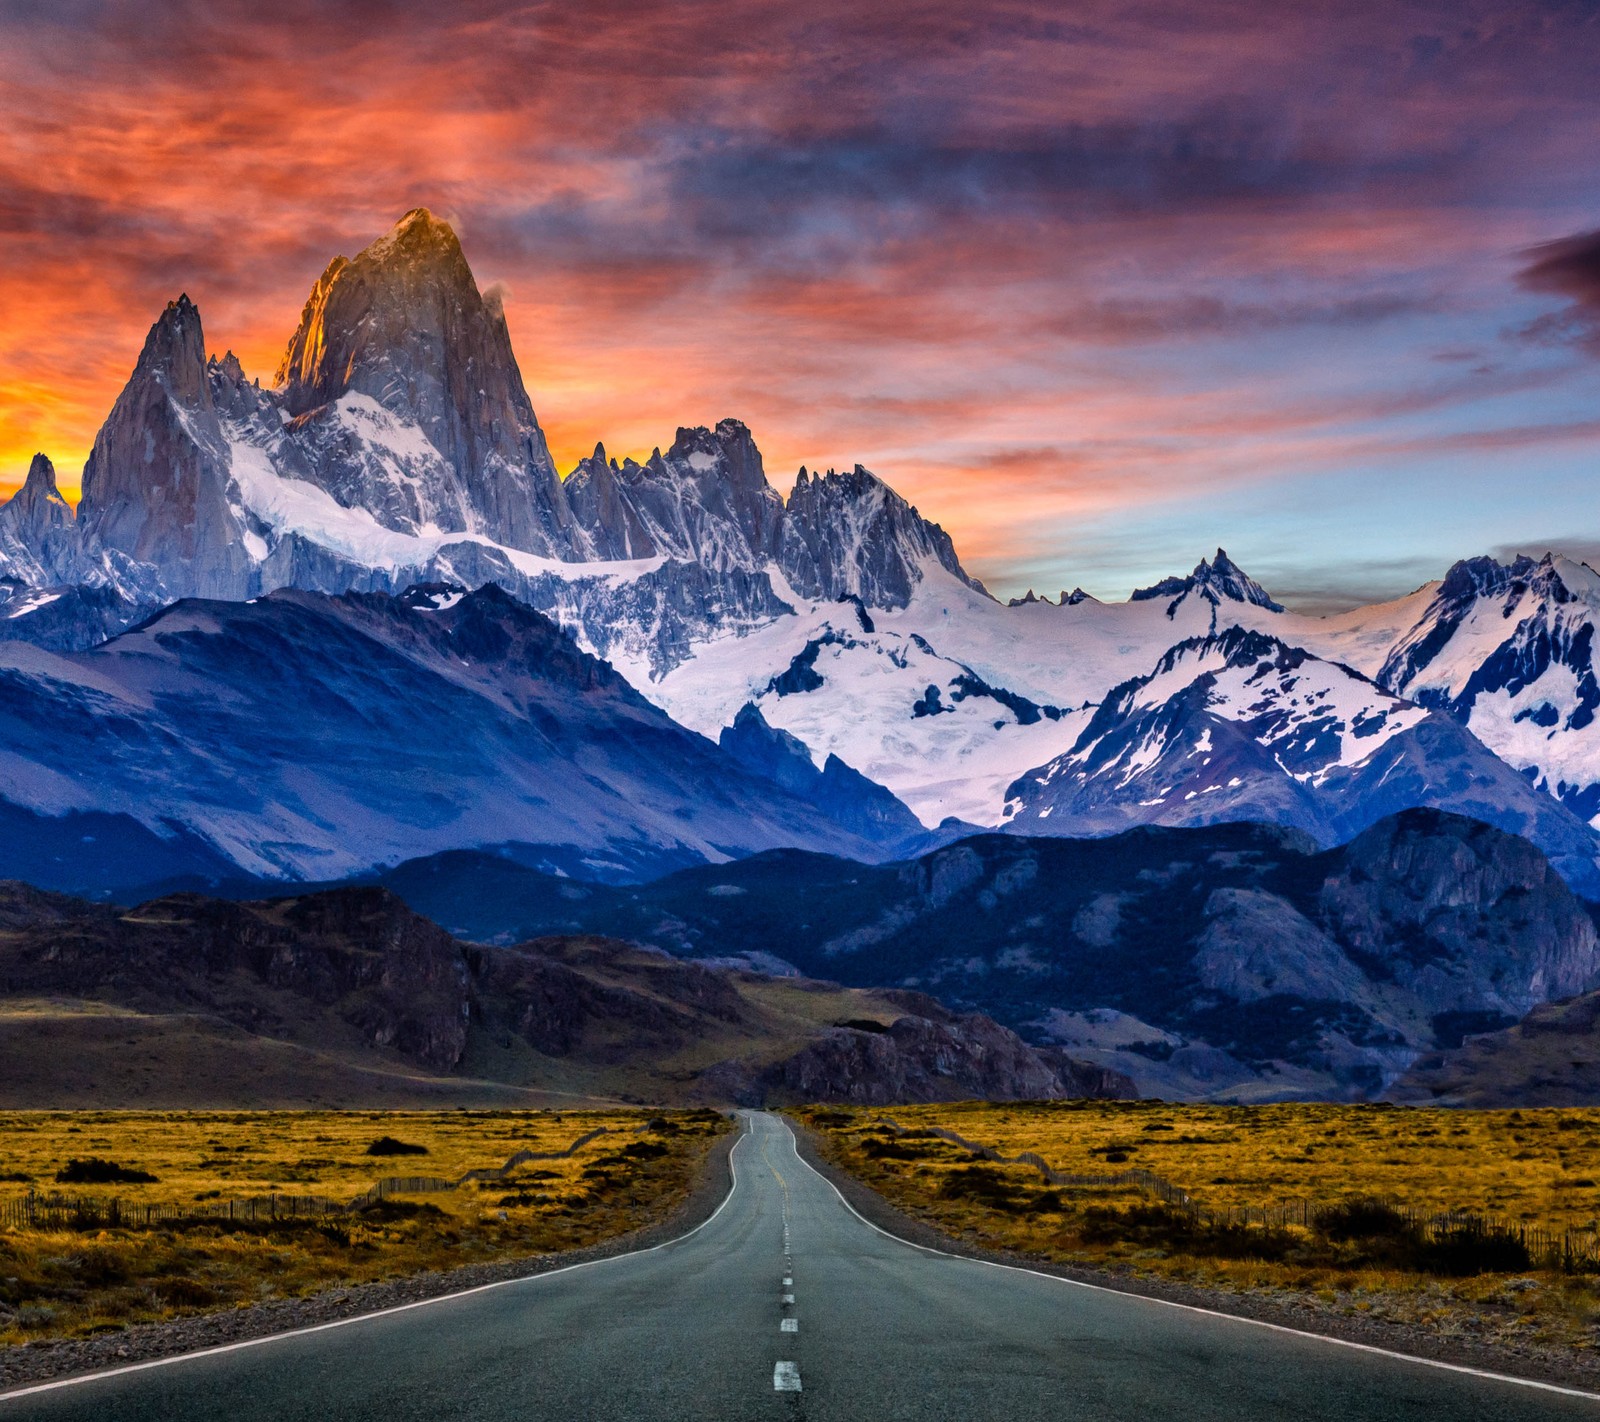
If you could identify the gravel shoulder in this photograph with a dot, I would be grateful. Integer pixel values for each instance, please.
(1304, 1313)
(47, 1360)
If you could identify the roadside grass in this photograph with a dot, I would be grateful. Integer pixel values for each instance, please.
(72, 1282)
(1356, 1163)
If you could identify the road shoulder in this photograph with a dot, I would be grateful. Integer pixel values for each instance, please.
(1302, 1313)
(51, 1360)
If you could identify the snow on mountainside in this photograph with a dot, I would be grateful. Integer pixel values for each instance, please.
(1508, 649)
(304, 736)
(1241, 726)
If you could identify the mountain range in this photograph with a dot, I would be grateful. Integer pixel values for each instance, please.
(1238, 960)
(348, 998)
(308, 630)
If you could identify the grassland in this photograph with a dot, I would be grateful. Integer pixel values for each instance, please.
(1536, 1168)
(80, 1279)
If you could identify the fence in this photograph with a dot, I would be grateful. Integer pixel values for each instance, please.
(36, 1211)
(1570, 1250)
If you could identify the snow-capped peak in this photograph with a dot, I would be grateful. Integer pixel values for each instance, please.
(1218, 580)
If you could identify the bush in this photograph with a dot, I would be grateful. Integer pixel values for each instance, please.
(1362, 1219)
(984, 1185)
(388, 1145)
(92, 1170)
(1156, 1226)
(390, 1211)
(645, 1150)
(875, 1148)
(1474, 1249)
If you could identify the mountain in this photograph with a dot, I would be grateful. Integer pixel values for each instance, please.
(156, 487)
(1218, 582)
(399, 446)
(350, 998)
(401, 388)
(1234, 961)
(36, 529)
(862, 806)
(1508, 650)
(303, 736)
(1241, 726)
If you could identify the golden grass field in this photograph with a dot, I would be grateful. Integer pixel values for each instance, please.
(71, 1281)
(1539, 1167)
(1534, 1167)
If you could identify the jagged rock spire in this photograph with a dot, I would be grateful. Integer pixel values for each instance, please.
(404, 325)
(155, 486)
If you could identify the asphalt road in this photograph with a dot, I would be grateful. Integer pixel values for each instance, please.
(787, 1305)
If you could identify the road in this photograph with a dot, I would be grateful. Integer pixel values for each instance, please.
(787, 1305)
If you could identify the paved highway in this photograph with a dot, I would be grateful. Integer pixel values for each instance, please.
(787, 1305)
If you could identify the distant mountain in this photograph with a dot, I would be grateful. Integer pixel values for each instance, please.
(1241, 726)
(400, 446)
(1219, 582)
(1234, 961)
(302, 736)
(349, 998)
(1508, 650)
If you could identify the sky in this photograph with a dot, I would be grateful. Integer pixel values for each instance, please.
(1097, 286)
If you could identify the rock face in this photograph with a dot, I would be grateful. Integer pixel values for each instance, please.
(37, 530)
(155, 488)
(398, 342)
(851, 535)
(706, 501)
(355, 966)
(1236, 961)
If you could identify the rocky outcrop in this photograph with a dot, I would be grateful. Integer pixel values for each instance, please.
(936, 1057)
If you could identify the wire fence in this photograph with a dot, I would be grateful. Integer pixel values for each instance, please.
(1570, 1250)
(57, 1209)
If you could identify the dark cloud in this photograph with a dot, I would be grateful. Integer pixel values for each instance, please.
(1569, 267)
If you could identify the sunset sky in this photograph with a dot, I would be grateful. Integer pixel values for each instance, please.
(1098, 286)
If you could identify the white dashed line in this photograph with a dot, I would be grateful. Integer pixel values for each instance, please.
(786, 1377)
(787, 1281)
(789, 1325)
(788, 1298)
